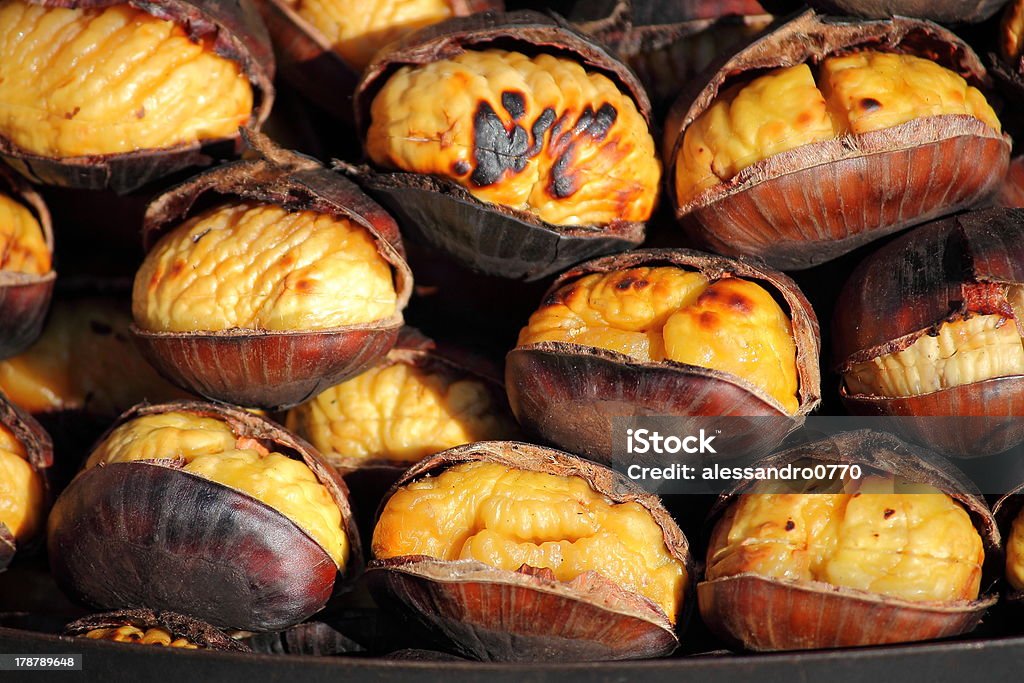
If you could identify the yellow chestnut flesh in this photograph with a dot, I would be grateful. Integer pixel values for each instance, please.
(84, 360)
(23, 247)
(75, 82)
(401, 412)
(1012, 31)
(787, 108)
(210, 449)
(666, 313)
(887, 537)
(133, 634)
(256, 266)
(964, 351)
(537, 134)
(1015, 553)
(507, 518)
(21, 489)
(356, 29)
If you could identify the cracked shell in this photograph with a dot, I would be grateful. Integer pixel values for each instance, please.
(765, 614)
(493, 614)
(197, 634)
(942, 11)
(147, 534)
(275, 369)
(817, 201)
(570, 394)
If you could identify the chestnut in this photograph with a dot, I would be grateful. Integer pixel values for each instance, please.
(518, 552)
(323, 46)
(668, 42)
(146, 627)
(418, 400)
(943, 11)
(26, 263)
(825, 134)
(1011, 192)
(510, 142)
(891, 554)
(930, 325)
(1009, 514)
(288, 281)
(74, 117)
(25, 454)
(658, 332)
(207, 510)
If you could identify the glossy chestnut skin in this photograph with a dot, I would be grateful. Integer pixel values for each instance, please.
(39, 450)
(207, 637)
(493, 614)
(766, 614)
(809, 205)
(238, 34)
(146, 534)
(908, 288)
(305, 58)
(275, 370)
(24, 297)
(488, 238)
(942, 11)
(570, 394)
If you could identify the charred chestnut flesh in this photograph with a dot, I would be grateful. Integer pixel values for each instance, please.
(146, 627)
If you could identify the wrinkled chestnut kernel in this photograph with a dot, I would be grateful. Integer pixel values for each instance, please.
(543, 534)
(251, 514)
(25, 454)
(798, 185)
(659, 332)
(1009, 513)
(841, 561)
(26, 264)
(202, 70)
(146, 627)
(328, 300)
(946, 342)
(512, 151)
(324, 45)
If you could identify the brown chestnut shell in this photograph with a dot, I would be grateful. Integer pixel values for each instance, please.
(942, 11)
(275, 370)
(177, 625)
(237, 34)
(909, 288)
(570, 394)
(765, 614)
(39, 449)
(490, 238)
(306, 60)
(527, 615)
(24, 297)
(818, 201)
(146, 534)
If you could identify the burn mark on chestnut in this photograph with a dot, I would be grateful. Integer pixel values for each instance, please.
(889, 512)
(514, 104)
(461, 167)
(540, 127)
(496, 149)
(790, 525)
(870, 104)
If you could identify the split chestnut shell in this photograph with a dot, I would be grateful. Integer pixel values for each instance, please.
(39, 454)
(948, 271)
(197, 634)
(762, 613)
(492, 238)
(24, 297)
(148, 534)
(236, 33)
(570, 394)
(275, 369)
(943, 11)
(817, 201)
(528, 615)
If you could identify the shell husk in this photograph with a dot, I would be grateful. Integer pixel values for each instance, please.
(177, 625)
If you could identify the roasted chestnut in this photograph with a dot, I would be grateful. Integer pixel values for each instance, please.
(146, 627)
(26, 263)
(517, 552)
(930, 325)
(25, 454)
(668, 42)
(208, 510)
(510, 142)
(826, 134)
(894, 554)
(289, 281)
(74, 117)
(323, 46)
(945, 11)
(665, 332)
(1008, 62)
(1009, 514)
